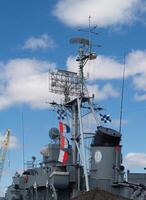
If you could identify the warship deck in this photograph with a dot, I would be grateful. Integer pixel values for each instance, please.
(98, 194)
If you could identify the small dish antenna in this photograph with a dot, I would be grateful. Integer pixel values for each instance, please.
(54, 134)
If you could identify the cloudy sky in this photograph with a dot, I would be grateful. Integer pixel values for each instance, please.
(34, 38)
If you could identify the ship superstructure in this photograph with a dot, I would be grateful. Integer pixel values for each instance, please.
(67, 169)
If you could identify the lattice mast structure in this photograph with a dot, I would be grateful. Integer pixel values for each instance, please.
(3, 151)
(72, 86)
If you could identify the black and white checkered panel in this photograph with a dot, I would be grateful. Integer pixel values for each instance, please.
(105, 118)
(61, 114)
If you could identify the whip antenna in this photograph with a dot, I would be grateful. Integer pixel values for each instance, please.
(122, 95)
(23, 140)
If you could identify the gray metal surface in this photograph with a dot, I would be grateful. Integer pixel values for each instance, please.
(52, 180)
(57, 180)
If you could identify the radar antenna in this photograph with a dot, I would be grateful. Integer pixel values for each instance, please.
(64, 83)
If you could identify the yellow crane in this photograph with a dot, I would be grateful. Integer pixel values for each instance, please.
(3, 151)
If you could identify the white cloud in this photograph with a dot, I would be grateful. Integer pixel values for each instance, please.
(133, 160)
(6, 180)
(101, 68)
(25, 81)
(3, 191)
(136, 67)
(140, 82)
(89, 127)
(108, 68)
(104, 13)
(103, 93)
(13, 143)
(136, 62)
(42, 42)
(140, 97)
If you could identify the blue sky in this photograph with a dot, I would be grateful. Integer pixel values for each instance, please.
(34, 37)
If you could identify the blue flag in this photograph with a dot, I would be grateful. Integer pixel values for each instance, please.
(66, 128)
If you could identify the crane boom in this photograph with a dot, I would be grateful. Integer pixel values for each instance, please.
(3, 151)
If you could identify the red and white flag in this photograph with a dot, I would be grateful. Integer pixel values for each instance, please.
(61, 128)
(63, 156)
(63, 142)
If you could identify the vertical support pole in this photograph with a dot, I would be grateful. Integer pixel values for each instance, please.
(83, 146)
(74, 146)
(75, 132)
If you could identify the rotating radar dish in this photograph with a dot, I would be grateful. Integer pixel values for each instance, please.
(78, 40)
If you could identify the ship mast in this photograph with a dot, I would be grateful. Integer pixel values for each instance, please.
(72, 86)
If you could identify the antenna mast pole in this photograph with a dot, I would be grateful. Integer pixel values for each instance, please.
(90, 44)
(23, 142)
(81, 73)
(122, 96)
